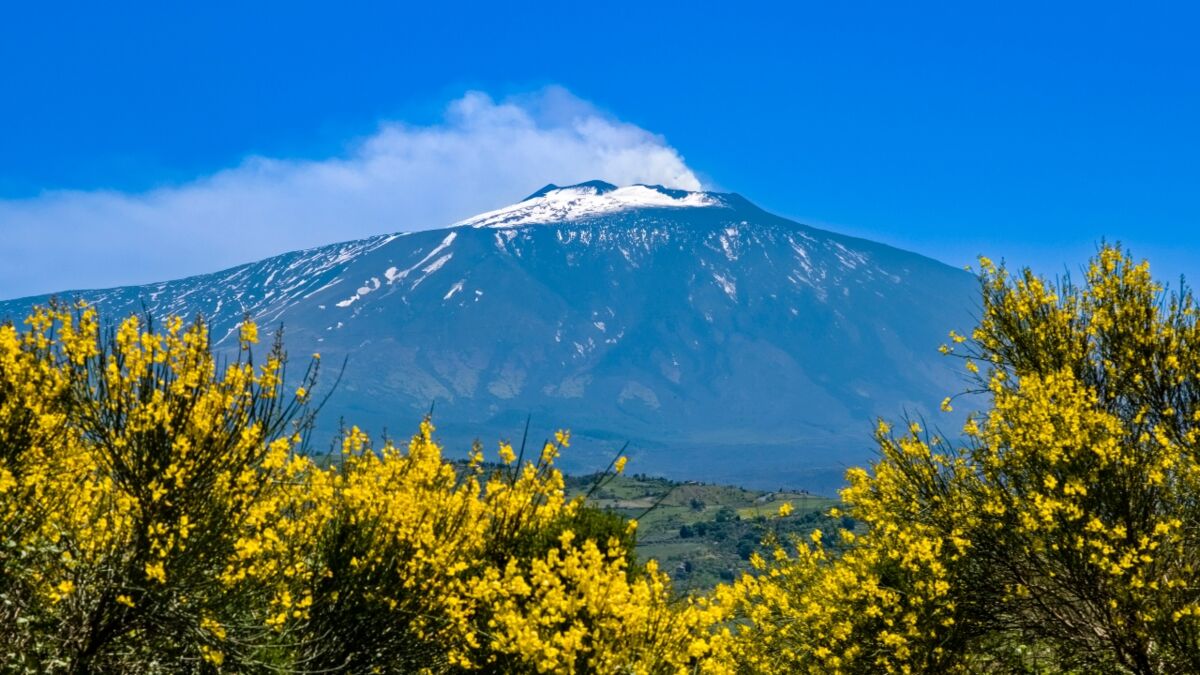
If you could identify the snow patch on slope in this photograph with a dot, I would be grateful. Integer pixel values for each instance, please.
(727, 284)
(588, 201)
(393, 274)
(454, 289)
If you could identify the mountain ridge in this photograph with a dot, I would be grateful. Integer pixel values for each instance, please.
(654, 318)
(365, 242)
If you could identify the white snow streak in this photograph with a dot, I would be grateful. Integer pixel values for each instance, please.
(454, 289)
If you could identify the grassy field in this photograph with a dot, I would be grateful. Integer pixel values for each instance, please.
(702, 534)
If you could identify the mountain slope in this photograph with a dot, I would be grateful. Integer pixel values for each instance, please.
(724, 342)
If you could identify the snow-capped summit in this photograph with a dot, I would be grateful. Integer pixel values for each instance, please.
(724, 342)
(593, 199)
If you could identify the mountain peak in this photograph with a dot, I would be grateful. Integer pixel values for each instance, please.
(597, 187)
(554, 204)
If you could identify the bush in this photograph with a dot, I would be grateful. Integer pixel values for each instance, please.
(156, 515)
(1059, 535)
(128, 483)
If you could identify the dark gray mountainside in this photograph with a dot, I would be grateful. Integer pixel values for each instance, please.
(723, 342)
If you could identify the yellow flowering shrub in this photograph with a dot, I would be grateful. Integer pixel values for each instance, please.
(578, 609)
(885, 604)
(424, 565)
(1058, 534)
(1089, 485)
(158, 514)
(140, 465)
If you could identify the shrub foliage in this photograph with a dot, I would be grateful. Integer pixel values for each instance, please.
(156, 514)
(1058, 533)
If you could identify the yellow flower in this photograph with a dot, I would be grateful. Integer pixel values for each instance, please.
(214, 656)
(619, 465)
(156, 572)
(249, 334)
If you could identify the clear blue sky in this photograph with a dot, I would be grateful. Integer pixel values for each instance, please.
(1026, 131)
